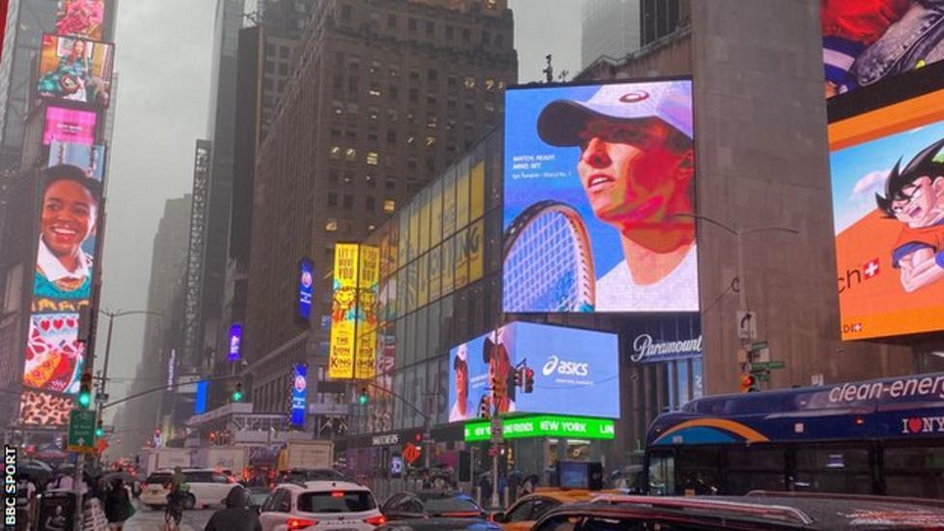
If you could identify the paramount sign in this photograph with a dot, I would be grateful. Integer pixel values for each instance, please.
(648, 350)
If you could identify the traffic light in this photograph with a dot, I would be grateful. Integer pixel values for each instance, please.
(100, 429)
(749, 383)
(484, 408)
(238, 392)
(362, 397)
(528, 380)
(85, 391)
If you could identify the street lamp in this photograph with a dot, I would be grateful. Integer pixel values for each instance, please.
(111, 321)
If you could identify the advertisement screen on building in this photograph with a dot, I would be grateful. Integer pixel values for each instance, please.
(598, 196)
(74, 69)
(200, 399)
(532, 368)
(867, 41)
(90, 158)
(887, 167)
(62, 283)
(299, 393)
(235, 342)
(306, 270)
(343, 311)
(83, 18)
(69, 126)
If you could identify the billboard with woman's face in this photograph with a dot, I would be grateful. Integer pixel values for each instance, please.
(75, 69)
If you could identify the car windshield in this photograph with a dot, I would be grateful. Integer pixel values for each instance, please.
(454, 504)
(158, 479)
(336, 502)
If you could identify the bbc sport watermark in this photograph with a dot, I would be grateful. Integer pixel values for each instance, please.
(9, 486)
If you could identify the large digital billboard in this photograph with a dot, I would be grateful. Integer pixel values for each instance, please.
(532, 368)
(867, 41)
(887, 167)
(62, 283)
(83, 18)
(69, 126)
(598, 198)
(75, 69)
(299, 393)
(368, 299)
(306, 269)
(343, 311)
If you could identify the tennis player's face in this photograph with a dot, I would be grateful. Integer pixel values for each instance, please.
(68, 217)
(462, 383)
(628, 172)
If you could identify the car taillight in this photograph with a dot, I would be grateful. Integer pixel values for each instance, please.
(376, 520)
(299, 523)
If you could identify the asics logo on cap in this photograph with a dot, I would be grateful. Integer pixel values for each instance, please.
(634, 97)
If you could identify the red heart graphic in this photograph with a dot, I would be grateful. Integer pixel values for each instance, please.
(914, 425)
(58, 324)
(44, 324)
(70, 323)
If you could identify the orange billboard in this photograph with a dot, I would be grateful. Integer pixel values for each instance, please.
(887, 168)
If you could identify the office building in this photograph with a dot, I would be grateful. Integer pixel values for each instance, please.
(383, 97)
(610, 28)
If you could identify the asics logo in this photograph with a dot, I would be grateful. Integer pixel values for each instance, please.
(564, 367)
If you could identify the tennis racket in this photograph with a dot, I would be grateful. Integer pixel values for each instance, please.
(547, 262)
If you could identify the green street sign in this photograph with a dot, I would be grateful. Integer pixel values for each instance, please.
(81, 431)
(544, 426)
(768, 365)
(759, 345)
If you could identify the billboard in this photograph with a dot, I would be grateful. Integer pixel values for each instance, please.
(200, 400)
(343, 311)
(90, 158)
(299, 393)
(306, 270)
(544, 426)
(865, 42)
(368, 299)
(82, 18)
(598, 197)
(235, 341)
(74, 69)
(887, 173)
(532, 368)
(69, 126)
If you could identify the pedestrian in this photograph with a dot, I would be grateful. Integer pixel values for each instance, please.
(237, 516)
(118, 506)
(25, 501)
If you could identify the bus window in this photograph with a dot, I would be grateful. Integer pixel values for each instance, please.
(754, 468)
(916, 472)
(699, 470)
(825, 469)
(661, 474)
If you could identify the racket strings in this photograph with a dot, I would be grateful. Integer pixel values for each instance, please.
(543, 266)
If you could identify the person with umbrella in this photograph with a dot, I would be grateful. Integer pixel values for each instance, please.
(118, 506)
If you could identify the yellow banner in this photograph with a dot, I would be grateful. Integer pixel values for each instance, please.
(343, 311)
(475, 244)
(478, 191)
(369, 279)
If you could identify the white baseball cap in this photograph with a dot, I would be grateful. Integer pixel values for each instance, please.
(561, 121)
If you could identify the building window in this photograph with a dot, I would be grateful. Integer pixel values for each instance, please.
(450, 32)
(350, 154)
(371, 182)
(392, 21)
(432, 122)
(411, 23)
(393, 115)
(486, 37)
(490, 85)
(414, 95)
(332, 199)
(331, 225)
(345, 11)
(335, 152)
(394, 93)
(371, 204)
(374, 90)
(411, 140)
(373, 113)
(430, 101)
(283, 69)
(466, 34)
(430, 141)
(348, 201)
(390, 184)
(373, 158)
(391, 136)
(414, 76)
(284, 52)
(389, 206)
(470, 83)
(429, 28)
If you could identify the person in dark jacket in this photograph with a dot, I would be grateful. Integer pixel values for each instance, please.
(117, 505)
(236, 516)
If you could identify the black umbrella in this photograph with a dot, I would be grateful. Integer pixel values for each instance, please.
(33, 466)
(122, 475)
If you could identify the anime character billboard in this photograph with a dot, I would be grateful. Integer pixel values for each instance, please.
(887, 170)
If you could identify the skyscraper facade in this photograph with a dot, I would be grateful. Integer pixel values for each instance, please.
(610, 28)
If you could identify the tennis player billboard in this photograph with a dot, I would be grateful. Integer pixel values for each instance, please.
(887, 168)
(598, 196)
(532, 368)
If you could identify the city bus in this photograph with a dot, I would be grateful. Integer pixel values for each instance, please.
(881, 437)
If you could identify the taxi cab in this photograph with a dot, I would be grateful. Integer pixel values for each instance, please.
(529, 509)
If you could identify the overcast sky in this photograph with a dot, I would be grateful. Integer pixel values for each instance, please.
(163, 60)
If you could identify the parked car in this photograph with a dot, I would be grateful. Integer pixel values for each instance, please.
(449, 504)
(315, 505)
(771, 511)
(528, 509)
(208, 487)
(441, 524)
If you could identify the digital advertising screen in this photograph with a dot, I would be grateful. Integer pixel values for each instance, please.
(75, 69)
(306, 270)
(62, 285)
(235, 342)
(887, 172)
(91, 158)
(82, 18)
(299, 393)
(867, 41)
(69, 126)
(201, 397)
(343, 311)
(598, 198)
(368, 299)
(532, 368)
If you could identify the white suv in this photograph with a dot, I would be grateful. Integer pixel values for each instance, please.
(207, 487)
(314, 505)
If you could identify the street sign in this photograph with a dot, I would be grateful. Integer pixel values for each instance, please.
(762, 376)
(747, 325)
(759, 345)
(81, 431)
(768, 365)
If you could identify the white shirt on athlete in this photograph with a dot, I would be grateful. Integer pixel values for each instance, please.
(677, 292)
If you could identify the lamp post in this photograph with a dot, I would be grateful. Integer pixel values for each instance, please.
(739, 284)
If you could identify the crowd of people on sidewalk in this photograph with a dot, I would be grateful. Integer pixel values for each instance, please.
(111, 491)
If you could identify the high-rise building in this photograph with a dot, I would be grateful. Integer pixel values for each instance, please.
(610, 28)
(659, 18)
(161, 329)
(384, 96)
